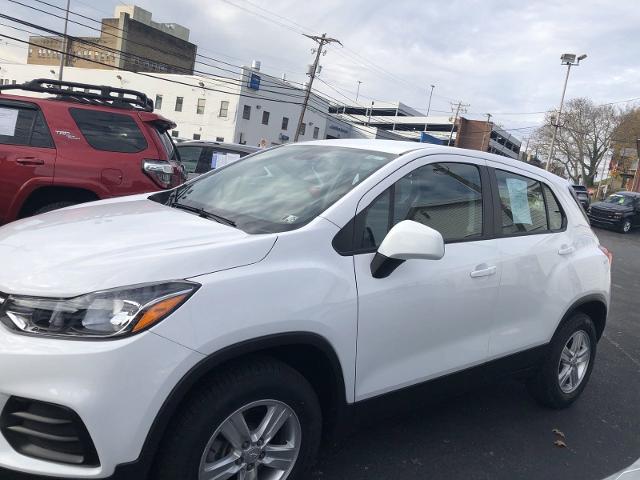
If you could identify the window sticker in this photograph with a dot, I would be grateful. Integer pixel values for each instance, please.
(8, 121)
(519, 201)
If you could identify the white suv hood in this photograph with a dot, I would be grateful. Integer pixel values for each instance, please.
(116, 243)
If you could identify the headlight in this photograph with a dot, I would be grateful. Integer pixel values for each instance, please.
(104, 314)
(617, 215)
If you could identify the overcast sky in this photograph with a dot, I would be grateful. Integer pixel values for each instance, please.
(501, 57)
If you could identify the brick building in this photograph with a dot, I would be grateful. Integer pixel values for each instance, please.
(130, 41)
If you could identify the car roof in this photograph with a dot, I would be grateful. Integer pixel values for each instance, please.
(625, 193)
(402, 147)
(205, 143)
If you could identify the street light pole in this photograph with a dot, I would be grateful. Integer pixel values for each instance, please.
(568, 59)
(430, 95)
(358, 90)
(65, 46)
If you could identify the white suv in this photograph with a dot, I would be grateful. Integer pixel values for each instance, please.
(214, 331)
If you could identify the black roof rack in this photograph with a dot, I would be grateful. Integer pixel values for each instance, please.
(86, 93)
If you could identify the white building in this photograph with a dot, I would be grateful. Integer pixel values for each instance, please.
(247, 109)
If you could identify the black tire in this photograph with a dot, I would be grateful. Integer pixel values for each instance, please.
(544, 386)
(625, 227)
(239, 384)
(54, 206)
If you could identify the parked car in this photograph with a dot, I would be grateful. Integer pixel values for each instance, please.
(83, 143)
(200, 157)
(583, 195)
(211, 330)
(620, 211)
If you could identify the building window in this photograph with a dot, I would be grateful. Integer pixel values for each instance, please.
(219, 139)
(179, 101)
(175, 133)
(158, 102)
(265, 118)
(285, 123)
(303, 129)
(200, 107)
(246, 112)
(224, 109)
(316, 132)
(196, 136)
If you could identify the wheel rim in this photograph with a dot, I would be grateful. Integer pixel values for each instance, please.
(574, 361)
(627, 226)
(260, 441)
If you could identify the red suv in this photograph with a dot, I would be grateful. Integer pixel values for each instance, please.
(83, 143)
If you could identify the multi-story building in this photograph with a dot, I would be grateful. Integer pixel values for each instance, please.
(129, 41)
(252, 108)
(410, 124)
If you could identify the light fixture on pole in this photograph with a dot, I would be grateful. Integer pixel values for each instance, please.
(570, 60)
(430, 95)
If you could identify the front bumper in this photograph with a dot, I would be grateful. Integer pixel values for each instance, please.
(605, 222)
(116, 387)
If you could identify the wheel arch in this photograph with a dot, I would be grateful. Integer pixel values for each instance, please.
(308, 353)
(595, 306)
(44, 195)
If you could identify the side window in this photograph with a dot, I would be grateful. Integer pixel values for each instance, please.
(521, 203)
(109, 132)
(190, 157)
(556, 215)
(444, 196)
(23, 126)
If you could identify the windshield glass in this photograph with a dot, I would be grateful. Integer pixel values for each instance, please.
(281, 189)
(619, 200)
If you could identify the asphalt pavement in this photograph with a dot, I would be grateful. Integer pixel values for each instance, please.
(499, 432)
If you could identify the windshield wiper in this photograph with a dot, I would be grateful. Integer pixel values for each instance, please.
(201, 212)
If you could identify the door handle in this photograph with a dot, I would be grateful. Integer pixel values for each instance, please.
(566, 250)
(484, 271)
(30, 161)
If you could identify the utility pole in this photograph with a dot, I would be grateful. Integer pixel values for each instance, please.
(370, 112)
(358, 91)
(65, 46)
(430, 95)
(484, 136)
(526, 147)
(321, 41)
(459, 106)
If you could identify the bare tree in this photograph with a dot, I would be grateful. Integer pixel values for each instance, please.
(584, 138)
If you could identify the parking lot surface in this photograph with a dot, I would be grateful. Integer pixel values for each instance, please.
(499, 432)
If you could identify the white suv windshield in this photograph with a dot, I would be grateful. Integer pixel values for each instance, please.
(281, 189)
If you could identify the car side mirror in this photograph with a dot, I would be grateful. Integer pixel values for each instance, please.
(405, 241)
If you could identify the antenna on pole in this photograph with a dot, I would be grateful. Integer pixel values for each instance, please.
(313, 71)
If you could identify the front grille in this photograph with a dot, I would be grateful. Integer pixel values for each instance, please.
(47, 432)
(601, 214)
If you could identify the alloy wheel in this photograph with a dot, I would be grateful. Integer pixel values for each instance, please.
(626, 226)
(260, 441)
(574, 361)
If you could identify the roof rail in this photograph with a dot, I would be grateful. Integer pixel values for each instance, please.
(86, 93)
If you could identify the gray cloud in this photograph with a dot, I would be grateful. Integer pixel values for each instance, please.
(499, 56)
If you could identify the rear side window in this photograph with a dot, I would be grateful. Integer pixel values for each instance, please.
(527, 205)
(109, 132)
(24, 126)
(556, 217)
